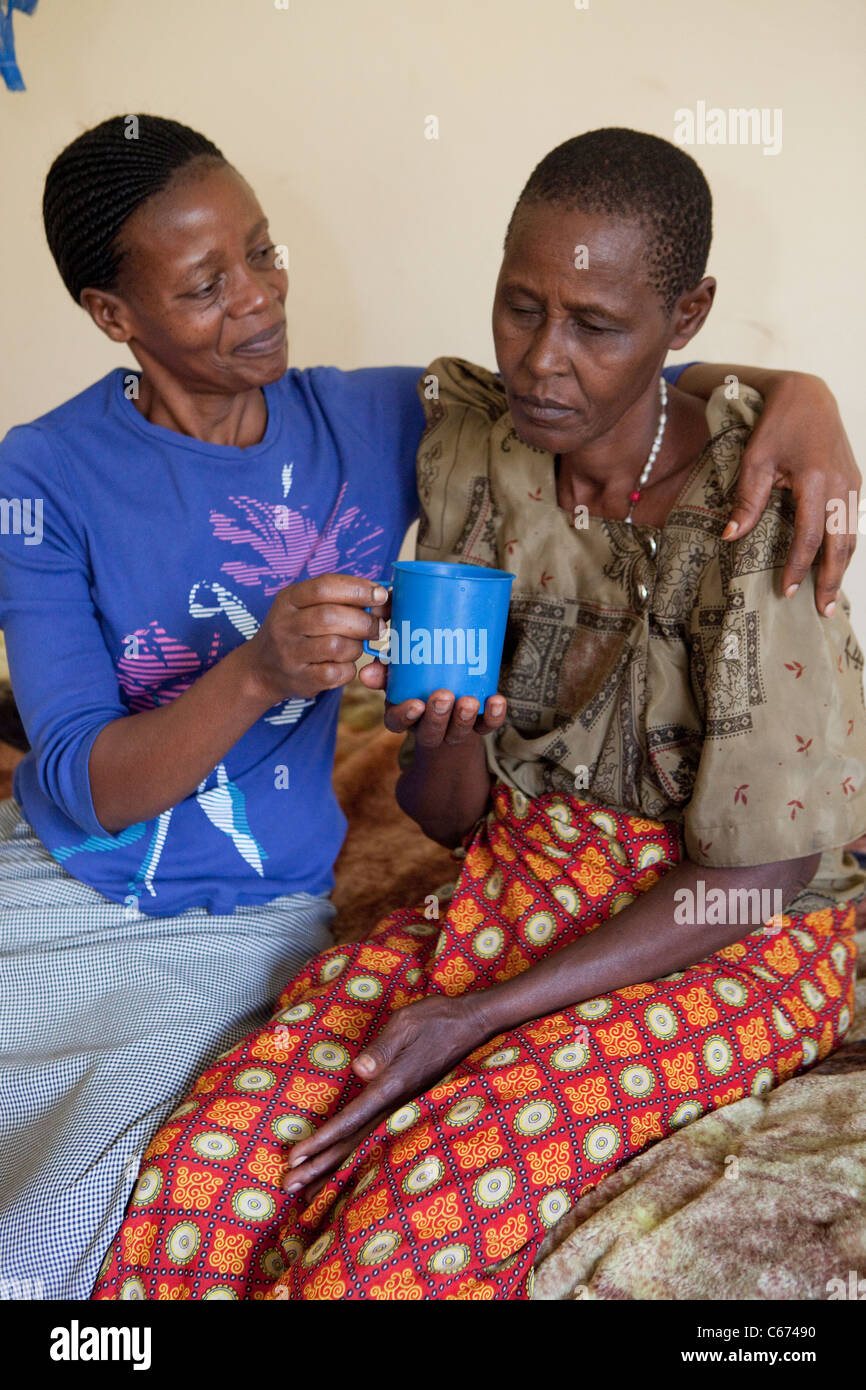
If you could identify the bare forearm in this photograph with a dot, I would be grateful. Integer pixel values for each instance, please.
(145, 763)
(446, 790)
(702, 378)
(643, 942)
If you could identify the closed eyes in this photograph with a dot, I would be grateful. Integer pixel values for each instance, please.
(579, 324)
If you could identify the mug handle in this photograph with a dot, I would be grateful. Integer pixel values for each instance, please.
(371, 651)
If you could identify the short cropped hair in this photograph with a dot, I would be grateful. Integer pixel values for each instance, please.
(641, 178)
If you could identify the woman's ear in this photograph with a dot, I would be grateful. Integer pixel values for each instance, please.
(690, 312)
(109, 313)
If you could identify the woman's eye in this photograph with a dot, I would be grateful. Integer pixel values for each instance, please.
(524, 312)
(205, 290)
(265, 251)
(588, 327)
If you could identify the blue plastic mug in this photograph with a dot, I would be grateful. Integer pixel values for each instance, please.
(447, 630)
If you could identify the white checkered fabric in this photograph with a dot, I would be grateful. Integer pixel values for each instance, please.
(105, 1023)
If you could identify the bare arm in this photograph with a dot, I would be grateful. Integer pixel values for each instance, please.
(447, 789)
(422, 1041)
(141, 765)
(643, 942)
(144, 763)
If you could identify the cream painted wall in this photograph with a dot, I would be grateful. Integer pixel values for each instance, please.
(394, 239)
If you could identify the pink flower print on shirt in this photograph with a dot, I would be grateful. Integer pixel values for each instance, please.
(282, 537)
(290, 543)
(347, 544)
(155, 668)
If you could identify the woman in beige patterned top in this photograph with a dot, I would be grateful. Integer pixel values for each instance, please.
(654, 672)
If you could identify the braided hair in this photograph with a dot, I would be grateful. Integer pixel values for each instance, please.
(99, 180)
(629, 174)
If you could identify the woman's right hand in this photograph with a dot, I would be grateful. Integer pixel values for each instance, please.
(447, 787)
(313, 634)
(143, 764)
(444, 719)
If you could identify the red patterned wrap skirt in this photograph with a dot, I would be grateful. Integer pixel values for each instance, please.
(451, 1196)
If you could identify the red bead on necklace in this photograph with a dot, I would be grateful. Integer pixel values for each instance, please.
(634, 497)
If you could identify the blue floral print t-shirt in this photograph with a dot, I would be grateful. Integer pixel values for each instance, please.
(133, 558)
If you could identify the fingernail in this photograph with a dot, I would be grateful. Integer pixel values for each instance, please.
(730, 530)
(414, 711)
(293, 1187)
(791, 590)
(830, 610)
(440, 706)
(365, 1063)
(296, 1160)
(379, 594)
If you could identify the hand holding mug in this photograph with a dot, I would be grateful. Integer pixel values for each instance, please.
(313, 634)
(444, 718)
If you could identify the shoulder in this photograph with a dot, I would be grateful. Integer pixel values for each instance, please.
(703, 506)
(78, 412)
(371, 403)
(30, 457)
(453, 386)
(332, 387)
(36, 447)
(463, 405)
(765, 548)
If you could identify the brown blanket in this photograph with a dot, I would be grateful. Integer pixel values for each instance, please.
(765, 1199)
(386, 861)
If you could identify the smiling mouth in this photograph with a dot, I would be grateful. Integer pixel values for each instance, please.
(269, 340)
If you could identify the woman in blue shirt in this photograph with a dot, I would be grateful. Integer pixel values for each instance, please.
(183, 597)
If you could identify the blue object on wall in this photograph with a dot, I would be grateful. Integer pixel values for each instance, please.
(8, 66)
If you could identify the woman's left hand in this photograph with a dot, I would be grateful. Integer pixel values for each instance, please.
(418, 1045)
